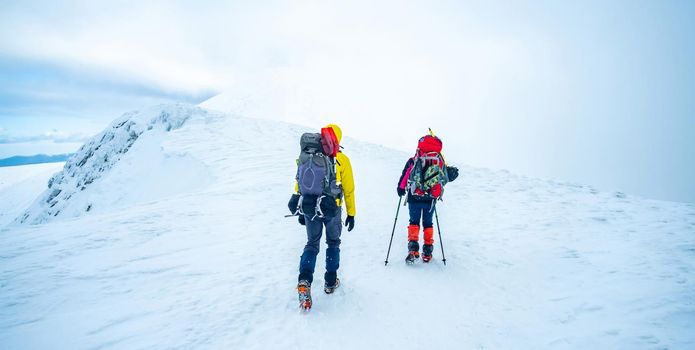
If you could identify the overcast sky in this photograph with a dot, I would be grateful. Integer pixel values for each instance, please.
(595, 92)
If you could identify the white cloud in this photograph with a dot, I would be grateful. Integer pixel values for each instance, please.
(55, 136)
(157, 43)
(196, 47)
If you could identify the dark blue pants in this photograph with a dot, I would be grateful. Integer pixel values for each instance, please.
(314, 231)
(420, 210)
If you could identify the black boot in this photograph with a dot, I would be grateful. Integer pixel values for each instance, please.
(427, 252)
(332, 282)
(413, 252)
(329, 289)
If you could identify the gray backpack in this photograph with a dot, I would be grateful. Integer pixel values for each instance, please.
(315, 175)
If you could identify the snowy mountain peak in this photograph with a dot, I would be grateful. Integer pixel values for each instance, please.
(185, 246)
(68, 192)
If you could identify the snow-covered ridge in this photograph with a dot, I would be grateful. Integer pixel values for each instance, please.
(186, 246)
(98, 156)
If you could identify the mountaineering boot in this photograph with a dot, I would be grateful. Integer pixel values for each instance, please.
(427, 252)
(329, 289)
(411, 257)
(331, 281)
(413, 252)
(304, 291)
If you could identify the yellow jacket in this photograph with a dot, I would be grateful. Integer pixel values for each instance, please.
(343, 177)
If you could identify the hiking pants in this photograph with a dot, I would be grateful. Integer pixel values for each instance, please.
(314, 231)
(420, 210)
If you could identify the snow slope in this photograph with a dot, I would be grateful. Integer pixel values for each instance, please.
(20, 185)
(532, 264)
(290, 101)
(121, 166)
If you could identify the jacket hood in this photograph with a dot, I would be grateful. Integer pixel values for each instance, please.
(337, 131)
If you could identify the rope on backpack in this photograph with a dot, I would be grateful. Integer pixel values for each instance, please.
(318, 212)
(298, 210)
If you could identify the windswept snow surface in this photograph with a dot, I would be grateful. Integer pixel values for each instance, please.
(212, 263)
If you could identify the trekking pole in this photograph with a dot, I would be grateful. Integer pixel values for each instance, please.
(398, 209)
(439, 230)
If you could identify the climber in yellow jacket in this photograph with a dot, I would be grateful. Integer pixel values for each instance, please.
(344, 178)
(317, 215)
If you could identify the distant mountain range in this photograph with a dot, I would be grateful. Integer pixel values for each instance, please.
(35, 159)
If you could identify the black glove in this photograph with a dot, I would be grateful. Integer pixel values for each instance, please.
(293, 203)
(452, 172)
(301, 220)
(401, 191)
(350, 222)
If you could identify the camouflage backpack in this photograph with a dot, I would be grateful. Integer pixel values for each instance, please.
(429, 173)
